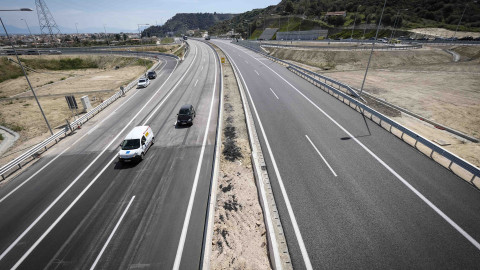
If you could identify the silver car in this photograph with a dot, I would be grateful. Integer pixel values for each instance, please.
(143, 82)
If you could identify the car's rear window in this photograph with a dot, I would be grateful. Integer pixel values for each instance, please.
(142, 81)
(184, 111)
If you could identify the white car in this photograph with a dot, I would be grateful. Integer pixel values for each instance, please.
(143, 82)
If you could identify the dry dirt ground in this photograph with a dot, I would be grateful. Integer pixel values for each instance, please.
(239, 236)
(425, 81)
(440, 32)
(20, 109)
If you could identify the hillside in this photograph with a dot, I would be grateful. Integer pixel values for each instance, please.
(406, 14)
(182, 22)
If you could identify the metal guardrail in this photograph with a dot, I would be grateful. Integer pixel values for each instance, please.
(382, 118)
(354, 93)
(435, 148)
(350, 48)
(435, 124)
(34, 151)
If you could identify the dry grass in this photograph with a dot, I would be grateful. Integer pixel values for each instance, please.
(21, 113)
(8, 71)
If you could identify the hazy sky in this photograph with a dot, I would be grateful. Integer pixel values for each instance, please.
(120, 14)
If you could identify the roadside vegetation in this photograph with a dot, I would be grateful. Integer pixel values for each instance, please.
(161, 48)
(167, 40)
(309, 15)
(8, 70)
(60, 64)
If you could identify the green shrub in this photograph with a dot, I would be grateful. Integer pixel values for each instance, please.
(9, 70)
(60, 64)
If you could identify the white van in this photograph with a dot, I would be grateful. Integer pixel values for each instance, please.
(136, 144)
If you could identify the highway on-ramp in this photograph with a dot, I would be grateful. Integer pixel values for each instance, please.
(78, 207)
(349, 193)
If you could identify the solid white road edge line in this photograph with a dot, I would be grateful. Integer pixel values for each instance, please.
(274, 93)
(183, 236)
(213, 194)
(111, 235)
(84, 171)
(293, 220)
(79, 139)
(320, 154)
(407, 184)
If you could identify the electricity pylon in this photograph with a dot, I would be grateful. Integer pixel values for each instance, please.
(48, 26)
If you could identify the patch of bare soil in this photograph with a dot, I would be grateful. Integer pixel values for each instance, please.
(426, 82)
(357, 60)
(440, 32)
(239, 237)
(20, 111)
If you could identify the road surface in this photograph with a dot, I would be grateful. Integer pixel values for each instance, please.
(350, 194)
(79, 208)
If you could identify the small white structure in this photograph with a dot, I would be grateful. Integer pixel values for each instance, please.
(86, 104)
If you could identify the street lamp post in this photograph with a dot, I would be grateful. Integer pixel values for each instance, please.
(106, 37)
(356, 13)
(248, 25)
(463, 13)
(141, 43)
(373, 45)
(34, 44)
(288, 25)
(23, 69)
(395, 22)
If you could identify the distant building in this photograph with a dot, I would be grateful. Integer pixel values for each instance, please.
(336, 13)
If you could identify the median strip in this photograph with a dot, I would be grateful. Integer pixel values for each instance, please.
(243, 236)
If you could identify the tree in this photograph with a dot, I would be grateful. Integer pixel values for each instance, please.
(289, 7)
(387, 19)
(336, 20)
(125, 36)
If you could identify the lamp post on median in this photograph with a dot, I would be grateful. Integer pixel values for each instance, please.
(106, 38)
(23, 69)
(373, 45)
(34, 44)
(463, 13)
(141, 43)
(397, 19)
(248, 25)
(356, 13)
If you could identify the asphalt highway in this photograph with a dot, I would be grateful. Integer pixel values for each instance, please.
(77, 207)
(351, 195)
